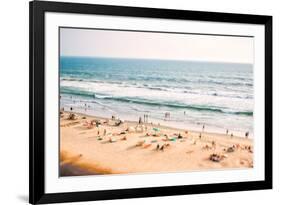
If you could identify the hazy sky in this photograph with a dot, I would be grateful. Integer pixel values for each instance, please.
(128, 44)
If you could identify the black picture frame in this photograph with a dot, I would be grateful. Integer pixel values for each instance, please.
(37, 9)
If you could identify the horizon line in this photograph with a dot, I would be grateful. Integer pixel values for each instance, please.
(139, 58)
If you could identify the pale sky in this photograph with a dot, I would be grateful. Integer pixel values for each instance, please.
(128, 44)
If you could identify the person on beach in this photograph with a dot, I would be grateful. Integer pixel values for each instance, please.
(180, 136)
(145, 118)
(247, 135)
(214, 145)
(167, 115)
(203, 127)
(71, 108)
(227, 132)
(140, 121)
(157, 147)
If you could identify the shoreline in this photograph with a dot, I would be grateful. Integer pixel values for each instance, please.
(85, 154)
(161, 125)
(193, 127)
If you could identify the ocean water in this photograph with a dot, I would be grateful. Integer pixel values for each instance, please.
(218, 95)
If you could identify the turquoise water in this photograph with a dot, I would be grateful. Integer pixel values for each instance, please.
(219, 95)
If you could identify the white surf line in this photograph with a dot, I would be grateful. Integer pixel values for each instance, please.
(105, 106)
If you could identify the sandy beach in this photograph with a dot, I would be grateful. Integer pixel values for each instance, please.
(92, 145)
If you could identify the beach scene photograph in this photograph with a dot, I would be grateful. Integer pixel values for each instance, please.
(138, 102)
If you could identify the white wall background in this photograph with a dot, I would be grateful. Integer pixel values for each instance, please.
(14, 44)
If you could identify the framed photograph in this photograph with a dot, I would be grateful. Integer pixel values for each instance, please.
(141, 102)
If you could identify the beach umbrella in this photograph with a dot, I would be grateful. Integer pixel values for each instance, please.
(173, 139)
(156, 129)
